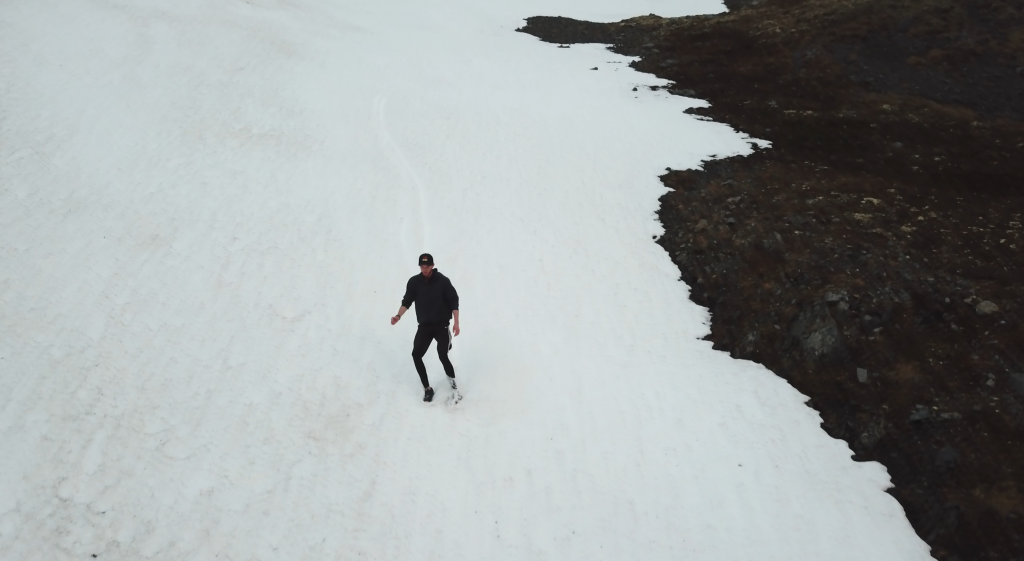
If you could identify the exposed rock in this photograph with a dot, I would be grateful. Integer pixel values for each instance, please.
(862, 375)
(836, 296)
(873, 432)
(817, 332)
(920, 413)
(985, 308)
(774, 243)
(702, 224)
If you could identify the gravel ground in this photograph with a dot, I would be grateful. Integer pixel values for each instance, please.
(872, 255)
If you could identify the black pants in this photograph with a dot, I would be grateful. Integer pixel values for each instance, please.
(424, 335)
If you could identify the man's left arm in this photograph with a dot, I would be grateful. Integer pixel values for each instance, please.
(453, 302)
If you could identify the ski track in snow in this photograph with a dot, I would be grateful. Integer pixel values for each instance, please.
(419, 221)
(208, 211)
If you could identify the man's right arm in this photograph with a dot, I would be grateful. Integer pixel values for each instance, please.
(406, 302)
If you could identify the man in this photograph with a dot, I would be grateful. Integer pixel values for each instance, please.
(436, 303)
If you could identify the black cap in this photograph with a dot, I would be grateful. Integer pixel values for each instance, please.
(426, 259)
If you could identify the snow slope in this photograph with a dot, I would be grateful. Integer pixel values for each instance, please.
(208, 212)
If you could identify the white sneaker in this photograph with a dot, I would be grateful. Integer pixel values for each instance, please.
(455, 396)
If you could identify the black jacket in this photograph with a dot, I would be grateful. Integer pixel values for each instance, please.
(435, 298)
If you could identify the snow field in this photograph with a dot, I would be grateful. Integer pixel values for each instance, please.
(208, 213)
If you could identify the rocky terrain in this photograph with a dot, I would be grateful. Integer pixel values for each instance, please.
(873, 255)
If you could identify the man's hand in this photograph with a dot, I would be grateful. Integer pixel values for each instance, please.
(394, 319)
(455, 329)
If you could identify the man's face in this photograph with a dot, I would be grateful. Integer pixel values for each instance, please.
(426, 269)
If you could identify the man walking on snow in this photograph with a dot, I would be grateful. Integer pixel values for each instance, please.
(436, 303)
